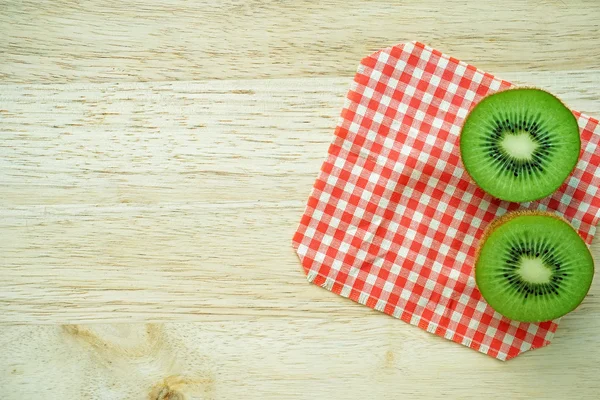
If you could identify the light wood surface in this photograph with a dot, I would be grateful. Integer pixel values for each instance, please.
(155, 160)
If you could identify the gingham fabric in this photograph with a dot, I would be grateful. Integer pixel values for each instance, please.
(393, 219)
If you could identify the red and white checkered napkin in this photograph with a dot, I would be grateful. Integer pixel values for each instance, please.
(393, 219)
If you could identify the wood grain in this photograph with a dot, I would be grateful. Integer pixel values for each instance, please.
(158, 40)
(335, 356)
(155, 159)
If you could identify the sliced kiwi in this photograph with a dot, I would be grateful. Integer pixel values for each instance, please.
(520, 144)
(533, 267)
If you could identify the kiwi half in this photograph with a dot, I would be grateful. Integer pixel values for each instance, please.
(533, 267)
(520, 144)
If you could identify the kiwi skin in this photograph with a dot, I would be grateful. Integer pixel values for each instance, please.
(554, 189)
(507, 217)
(495, 224)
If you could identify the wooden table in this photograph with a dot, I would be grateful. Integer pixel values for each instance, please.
(155, 160)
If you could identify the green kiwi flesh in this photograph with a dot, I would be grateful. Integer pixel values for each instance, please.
(520, 144)
(533, 267)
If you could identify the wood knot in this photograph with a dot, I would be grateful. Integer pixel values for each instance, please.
(177, 387)
(389, 359)
(167, 393)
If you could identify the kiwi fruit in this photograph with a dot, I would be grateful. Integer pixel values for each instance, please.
(533, 266)
(520, 144)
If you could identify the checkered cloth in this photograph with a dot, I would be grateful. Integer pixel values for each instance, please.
(393, 219)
